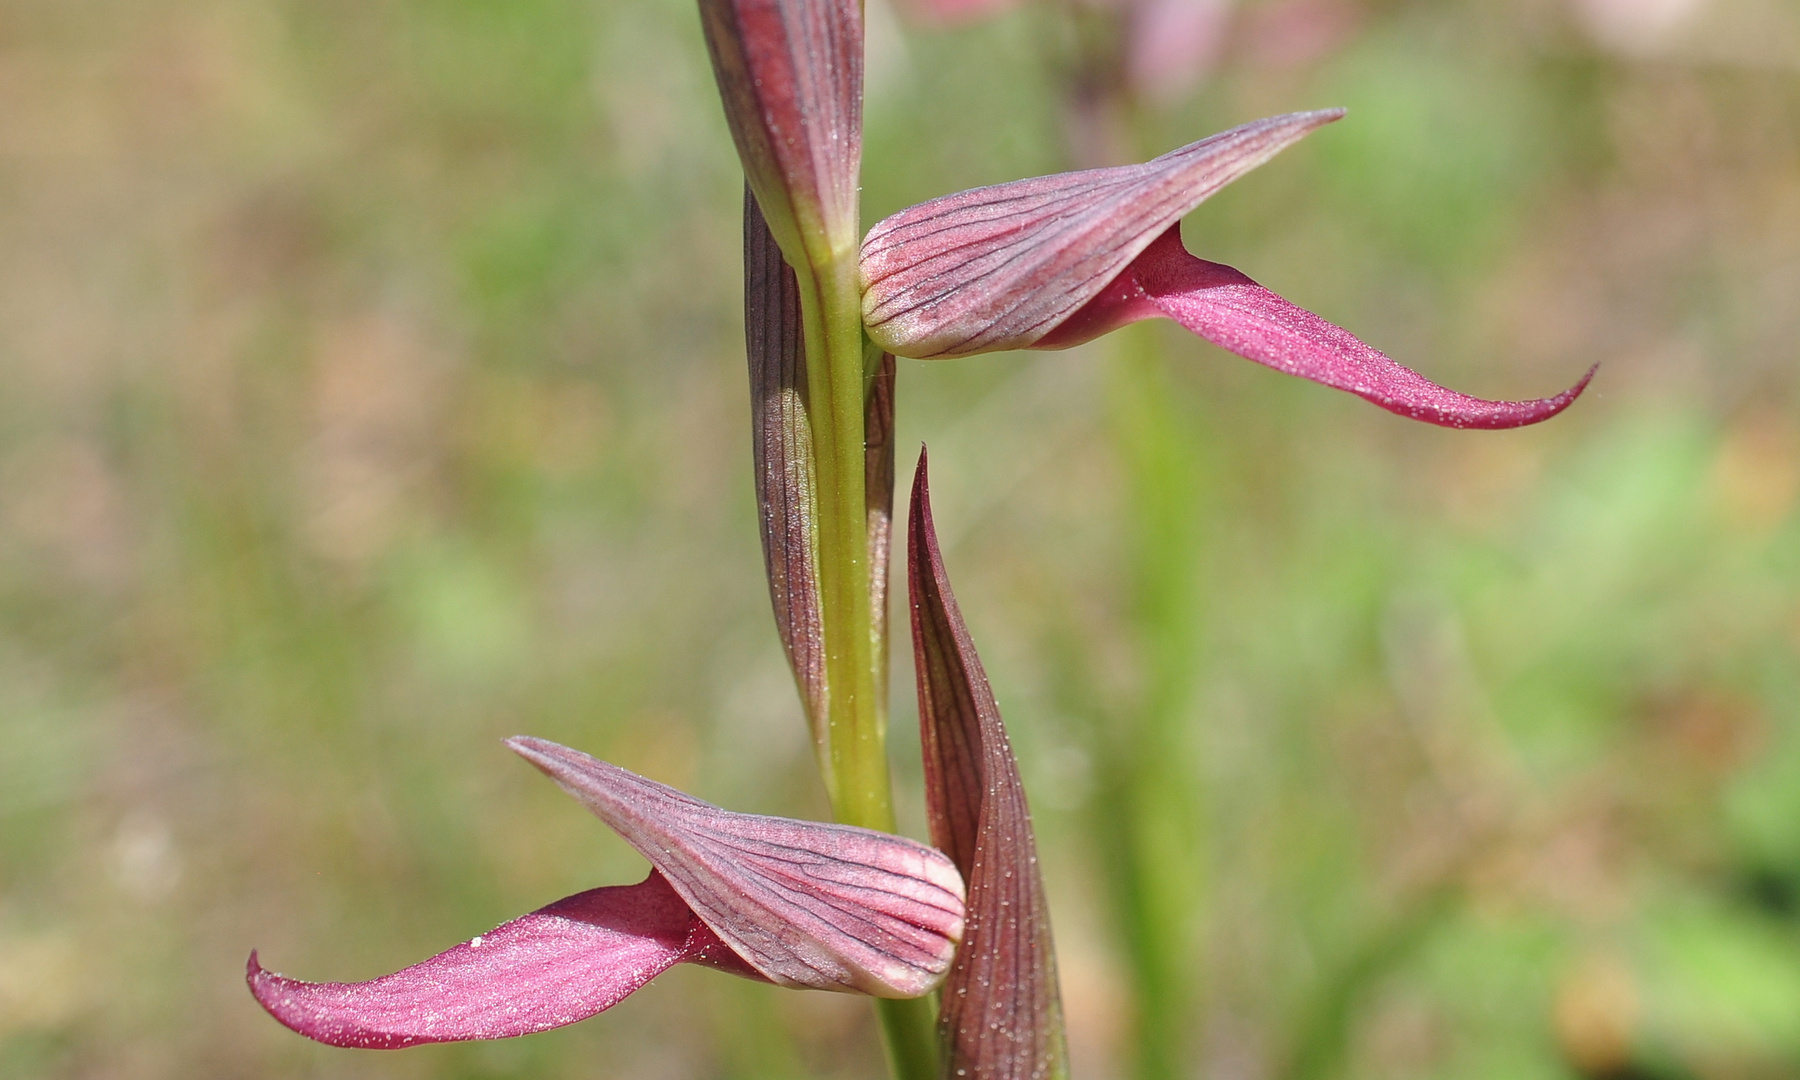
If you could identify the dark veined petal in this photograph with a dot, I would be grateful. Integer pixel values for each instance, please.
(999, 267)
(782, 456)
(1231, 311)
(1001, 1017)
(805, 903)
(790, 75)
(557, 965)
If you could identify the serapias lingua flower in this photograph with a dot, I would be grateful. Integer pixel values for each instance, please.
(1054, 261)
(797, 903)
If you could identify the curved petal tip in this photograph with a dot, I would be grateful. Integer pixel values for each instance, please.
(557, 965)
(1420, 399)
(1233, 312)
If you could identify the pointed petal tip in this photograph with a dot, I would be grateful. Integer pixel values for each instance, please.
(529, 747)
(1223, 306)
(1545, 408)
(552, 967)
(1478, 415)
(1002, 1014)
(564, 765)
(1303, 122)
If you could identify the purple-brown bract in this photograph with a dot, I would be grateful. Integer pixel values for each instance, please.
(1002, 1010)
(1054, 261)
(798, 903)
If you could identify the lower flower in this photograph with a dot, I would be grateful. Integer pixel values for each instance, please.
(798, 903)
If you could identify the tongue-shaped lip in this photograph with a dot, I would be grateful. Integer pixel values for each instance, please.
(1226, 308)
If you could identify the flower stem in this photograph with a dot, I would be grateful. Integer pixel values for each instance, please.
(857, 774)
(854, 631)
(909, 1028)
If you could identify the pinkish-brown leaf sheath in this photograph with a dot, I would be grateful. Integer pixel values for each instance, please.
(1001, 1017)
(782, 457)
(878, 501)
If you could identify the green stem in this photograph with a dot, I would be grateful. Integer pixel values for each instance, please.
(857, 778)
(909, 1028)
(858, 775)
(1159, 868)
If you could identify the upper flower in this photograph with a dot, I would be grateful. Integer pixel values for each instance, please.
(1054, 261)
(797, 903)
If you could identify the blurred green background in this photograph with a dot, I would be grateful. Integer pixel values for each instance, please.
(373, 390)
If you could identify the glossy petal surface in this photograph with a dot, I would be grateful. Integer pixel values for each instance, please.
(805, 903)
(557, 965)
(999, 267)
(1001, 1017)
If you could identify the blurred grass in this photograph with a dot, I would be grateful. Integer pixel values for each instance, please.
(374, 391)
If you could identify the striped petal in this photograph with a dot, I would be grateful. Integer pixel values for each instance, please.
(1002, 1011)
(790, 76)
(999, 267)
(804, 903)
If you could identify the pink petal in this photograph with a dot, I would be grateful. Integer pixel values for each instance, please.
(805, 903)
(1001, 267)
(1231, 311)
(1172, 45)
(559, 964)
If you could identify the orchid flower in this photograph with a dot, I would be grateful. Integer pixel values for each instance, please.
(1055, 261)
(797, 903)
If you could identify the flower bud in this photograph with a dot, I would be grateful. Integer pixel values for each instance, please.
(790, 76)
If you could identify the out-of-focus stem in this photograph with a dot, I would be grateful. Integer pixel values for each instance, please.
(1323, 1031)
(1155, 806)
(1151, 803)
